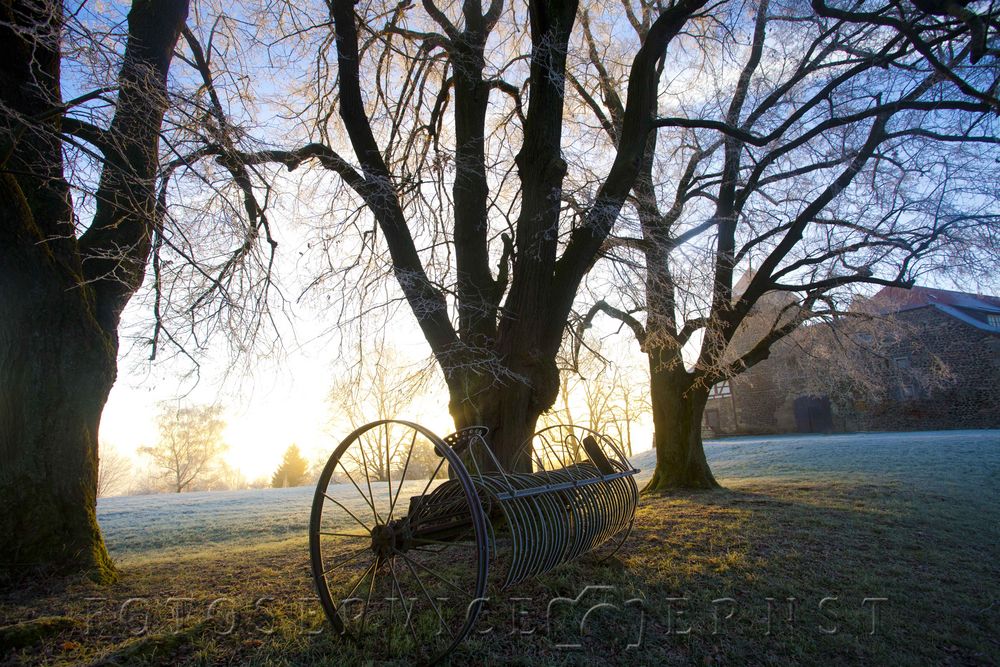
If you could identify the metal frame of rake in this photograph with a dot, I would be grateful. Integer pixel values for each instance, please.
(401, 564)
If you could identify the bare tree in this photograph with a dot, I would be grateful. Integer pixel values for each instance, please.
(605, 395)
(380, 387)
(98, 189)
(231, 478)
(190, 445)
(630, 397)
(835, 156)
(114, 471)
(860, 356)
(461, 173)
(69, 271)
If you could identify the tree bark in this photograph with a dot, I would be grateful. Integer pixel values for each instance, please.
(57, 366)
(508, 406)
(62, 295)
(678, 402)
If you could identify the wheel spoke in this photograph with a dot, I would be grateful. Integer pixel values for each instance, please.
(369, 501)
(402, 602)
(359, 581)
(341, 506)
(368, 481)
(438, 576)
(366, 536)
(392, 506)
(429, 598)
(388, 467)
(371, 588)
(353, 557)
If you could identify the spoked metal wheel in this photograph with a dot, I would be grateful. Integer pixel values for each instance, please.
(398, 542)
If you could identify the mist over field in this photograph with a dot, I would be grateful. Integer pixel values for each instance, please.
(946, 461)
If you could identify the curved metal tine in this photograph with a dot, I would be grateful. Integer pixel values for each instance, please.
(531, 531)
(573, 451)
(496, 463)
(552, 448)
(520, 538)
(474, 458)
(369, 501)
(549, 521)
(402, 479)
(553, 523)
(431, 478)
(542, 467)
(565, 515)
(354, 556)
(619, 452)
(353, 516)
(429, 598)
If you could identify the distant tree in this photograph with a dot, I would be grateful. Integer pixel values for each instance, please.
(259, 483)
(380, 389)
(190, 444)
(293, 471)
(230, 478)
(606, 394)
(113, 472)
(631, 401)
(423, 461)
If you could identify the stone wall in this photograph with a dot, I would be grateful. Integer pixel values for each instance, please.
(942, 374)
(969, 397)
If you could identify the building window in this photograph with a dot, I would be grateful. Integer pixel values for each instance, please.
(907, 388)
(712, 420)
(864, 338)
(720, 390)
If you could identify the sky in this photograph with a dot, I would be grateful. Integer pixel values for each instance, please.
(279, 404)
(276, 403)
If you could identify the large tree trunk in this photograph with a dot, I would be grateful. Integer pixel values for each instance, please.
(62, 295)
(510, 416)
(678, 402)
(56, 369)
(508, 404)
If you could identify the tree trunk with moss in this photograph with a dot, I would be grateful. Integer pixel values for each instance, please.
(62, 292)
(57, 366)
(678, 402)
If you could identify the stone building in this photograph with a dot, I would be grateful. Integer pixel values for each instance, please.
(928, 359)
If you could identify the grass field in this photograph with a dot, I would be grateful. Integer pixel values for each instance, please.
(898, 533)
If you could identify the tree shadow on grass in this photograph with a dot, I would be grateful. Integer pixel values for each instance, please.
(704, 577)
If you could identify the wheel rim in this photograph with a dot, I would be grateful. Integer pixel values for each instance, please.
(398, 542)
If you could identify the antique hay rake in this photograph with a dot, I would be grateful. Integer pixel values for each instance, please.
(407, 527)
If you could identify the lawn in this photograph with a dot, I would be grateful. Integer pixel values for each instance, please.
(867, 548)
